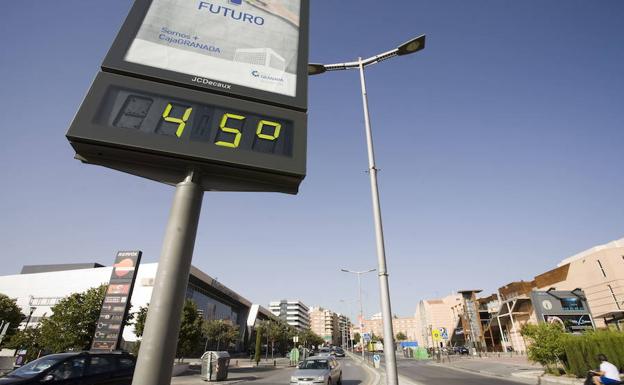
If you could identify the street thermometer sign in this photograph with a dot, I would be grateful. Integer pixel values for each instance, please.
(216, 87)
(206, 96)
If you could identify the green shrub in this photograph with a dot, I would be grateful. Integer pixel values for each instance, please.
(581, 350)
(546, 344)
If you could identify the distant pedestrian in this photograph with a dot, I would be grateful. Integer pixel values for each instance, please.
(608, 373)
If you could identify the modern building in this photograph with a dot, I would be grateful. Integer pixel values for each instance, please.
(592, 280)
(39, 288)
(293, 312)
(324, 323)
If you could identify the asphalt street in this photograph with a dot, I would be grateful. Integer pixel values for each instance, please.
(424, 373)
(352, 374)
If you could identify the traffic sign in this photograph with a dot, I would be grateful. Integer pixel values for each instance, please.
(366, 337)
(436, 335)
(444, 333)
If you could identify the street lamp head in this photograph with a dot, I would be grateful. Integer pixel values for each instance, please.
(412, 46)
(316, 69)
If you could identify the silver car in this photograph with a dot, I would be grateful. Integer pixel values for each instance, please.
(318, 370)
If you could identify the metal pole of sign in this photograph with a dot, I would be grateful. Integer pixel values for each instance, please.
(158, 346)
(386, 311)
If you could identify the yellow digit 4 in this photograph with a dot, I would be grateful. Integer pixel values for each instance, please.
(235, 131)
(181, 122)
(277, 127)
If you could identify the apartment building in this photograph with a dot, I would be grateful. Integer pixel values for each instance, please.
(325, 323)
(293, 312)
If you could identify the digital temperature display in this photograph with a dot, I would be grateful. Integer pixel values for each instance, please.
(161, 131)
(187, 121)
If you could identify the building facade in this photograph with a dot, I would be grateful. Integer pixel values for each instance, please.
(405, 325)
(325, 323)
(293, 312)
(41, 287)
(438, 313)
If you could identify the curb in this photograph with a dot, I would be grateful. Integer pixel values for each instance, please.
(380, 374)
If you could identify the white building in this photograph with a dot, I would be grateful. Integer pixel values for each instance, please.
(39, 288)
(294, 312)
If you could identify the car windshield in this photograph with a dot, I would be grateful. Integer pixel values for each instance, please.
(35, 367)
(314, 364)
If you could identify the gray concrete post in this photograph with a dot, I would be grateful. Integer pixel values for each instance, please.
(158, 346)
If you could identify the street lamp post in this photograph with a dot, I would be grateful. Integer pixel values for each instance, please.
(406, 48)
(361, 318)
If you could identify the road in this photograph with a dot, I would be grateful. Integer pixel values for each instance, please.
(352, 374)
(424, 373)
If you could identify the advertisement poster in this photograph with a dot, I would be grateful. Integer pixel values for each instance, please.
(252, 43)
(116, 303)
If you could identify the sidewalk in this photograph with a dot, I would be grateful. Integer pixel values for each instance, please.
(513, 368)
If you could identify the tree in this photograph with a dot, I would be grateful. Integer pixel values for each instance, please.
(356, 337)
(28, 339)
(76, 316)
(258, 351)
(220, 333)
(139, 320)
(189, 338)
(546, 344)
(11, 313)
(401, 336)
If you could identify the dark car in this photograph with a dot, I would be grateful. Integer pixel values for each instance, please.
(339, 352)
(79, 368)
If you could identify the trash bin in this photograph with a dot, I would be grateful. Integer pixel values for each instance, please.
(215, 366)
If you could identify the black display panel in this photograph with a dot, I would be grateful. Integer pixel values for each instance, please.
(159, 131)
(183, 120)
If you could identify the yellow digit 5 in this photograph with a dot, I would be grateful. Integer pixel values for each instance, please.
(181, 122)
(235, 131)
(277, 127)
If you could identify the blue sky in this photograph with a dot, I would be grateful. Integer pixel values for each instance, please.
(500, 147)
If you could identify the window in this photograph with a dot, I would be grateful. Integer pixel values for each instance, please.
(125, 363)
(602, 269)
(101, 364)
(571, 304)
(72, 368)
(614, 297)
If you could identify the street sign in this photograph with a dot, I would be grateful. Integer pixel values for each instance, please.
(444, 333)
(366, 337)
(435, 334)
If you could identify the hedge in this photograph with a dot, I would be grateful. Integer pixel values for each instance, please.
(581, 351)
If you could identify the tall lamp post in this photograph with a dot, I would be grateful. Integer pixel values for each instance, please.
(406, 48)
(361, 318)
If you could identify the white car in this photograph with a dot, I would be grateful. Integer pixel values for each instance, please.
(318, 370)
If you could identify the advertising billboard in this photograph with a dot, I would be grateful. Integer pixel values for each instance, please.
(566, 308)
(109, 328)
(250, 48)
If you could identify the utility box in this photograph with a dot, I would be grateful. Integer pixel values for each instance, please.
(215, 366)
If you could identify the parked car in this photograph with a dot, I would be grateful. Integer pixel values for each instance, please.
(461, 350)
(84, 368)
(323, 370)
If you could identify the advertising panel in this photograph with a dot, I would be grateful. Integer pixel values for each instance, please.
(115, 306)
(563, 307)
(255, 49)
